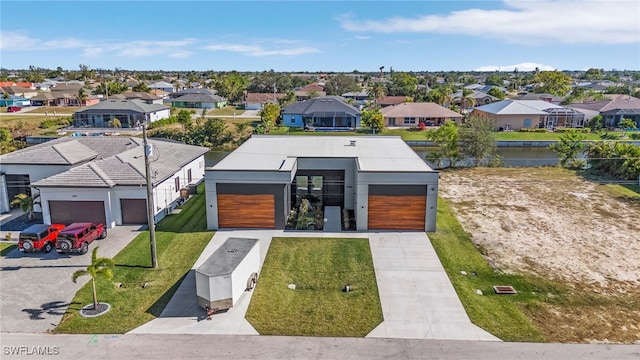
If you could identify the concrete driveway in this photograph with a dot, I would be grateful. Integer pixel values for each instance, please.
(36, 288)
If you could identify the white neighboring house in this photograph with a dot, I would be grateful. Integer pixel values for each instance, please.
(101, 179)
(130, 113)
(162, 85)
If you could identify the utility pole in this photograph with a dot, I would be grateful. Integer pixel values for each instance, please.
(148, 150)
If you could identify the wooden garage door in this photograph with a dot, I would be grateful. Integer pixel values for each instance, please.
(67, 212)
(246, 211)
(388, 212)
(134, 211)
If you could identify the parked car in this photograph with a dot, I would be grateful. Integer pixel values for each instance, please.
(13, 108)
(39, 237)
(76, 237)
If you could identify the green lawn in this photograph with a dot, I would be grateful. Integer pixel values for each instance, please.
(6, 248)
(501, 315)
(180, 240)
(320, 268)
(227, 110)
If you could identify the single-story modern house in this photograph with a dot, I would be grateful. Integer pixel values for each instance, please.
(43, 99)
(20, 91)
(411, 114)
(378, 179)
(131, 113)
(518, 114)
(330, 112)
(101, 179)
(613, 110)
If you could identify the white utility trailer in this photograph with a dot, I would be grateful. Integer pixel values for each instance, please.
(228, 273)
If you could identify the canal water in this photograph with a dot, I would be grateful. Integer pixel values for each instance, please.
(511, 156)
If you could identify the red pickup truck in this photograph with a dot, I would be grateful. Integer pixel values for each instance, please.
(75, 238)
(39, 237)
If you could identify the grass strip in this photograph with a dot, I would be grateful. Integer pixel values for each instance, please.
(320, 268)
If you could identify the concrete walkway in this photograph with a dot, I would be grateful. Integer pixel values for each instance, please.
(332, 218)
(417, 298)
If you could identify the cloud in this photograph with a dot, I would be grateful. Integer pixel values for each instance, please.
(362, 37)
(525, 66)
(544, 21)
(260, 51)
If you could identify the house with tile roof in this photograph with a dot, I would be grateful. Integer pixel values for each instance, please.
(392, 100)
(613, 110)
(101, 179)
(256, 101)
(130, 113)
(20, 91)
(518, 114)
(310, 91)
(325, 112)
(410, 114)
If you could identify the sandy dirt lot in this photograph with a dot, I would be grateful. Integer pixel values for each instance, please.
(549, 222)
(557, 225)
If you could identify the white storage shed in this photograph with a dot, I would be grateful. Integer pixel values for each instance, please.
(227, 273)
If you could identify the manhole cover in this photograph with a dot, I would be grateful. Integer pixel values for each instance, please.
(504, 289)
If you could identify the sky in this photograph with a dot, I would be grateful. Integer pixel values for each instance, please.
(321, 36)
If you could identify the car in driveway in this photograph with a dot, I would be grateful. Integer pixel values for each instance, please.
(39, 237)
(76, 237)
(13, 108)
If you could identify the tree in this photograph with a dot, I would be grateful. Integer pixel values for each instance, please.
(82, 96)
(494, 79)
(403, 84)
(377, 92)
(446, 137)
(596, 123)
(184, 118)
(115, 123)
(466, 99)
(27, 204)
(495, 92)
(340, 84)
(5, 135)
(269, 115)
(99, 267)
(373, 119)
(141, 87)
(568, 147)
(593, 74)
(626, 124)
(554, 82)
(232, 86)
(477, 138)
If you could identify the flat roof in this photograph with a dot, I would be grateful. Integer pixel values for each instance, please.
(227, 257)
(275, 153)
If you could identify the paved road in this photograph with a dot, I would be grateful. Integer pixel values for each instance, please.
(235, 347)
(36, 288)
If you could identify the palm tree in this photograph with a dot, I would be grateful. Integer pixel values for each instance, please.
(82, 96)
(100, 267)
(26, 203)
(467, 98)
(377, 92)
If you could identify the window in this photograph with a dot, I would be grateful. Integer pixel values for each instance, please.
(409, 120)
(527, 123)
(189, 178)
(177, 183)
(392, 121)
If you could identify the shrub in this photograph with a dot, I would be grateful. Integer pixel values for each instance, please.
(536, 130)
(635, 136)
(49, 123)
(578, 130)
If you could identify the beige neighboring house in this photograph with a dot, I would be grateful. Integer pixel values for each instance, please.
(411, 114)
(131, 95)
(518, 114)
(255, 101)
(25, 92)
(310, 91)
(392, 100)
